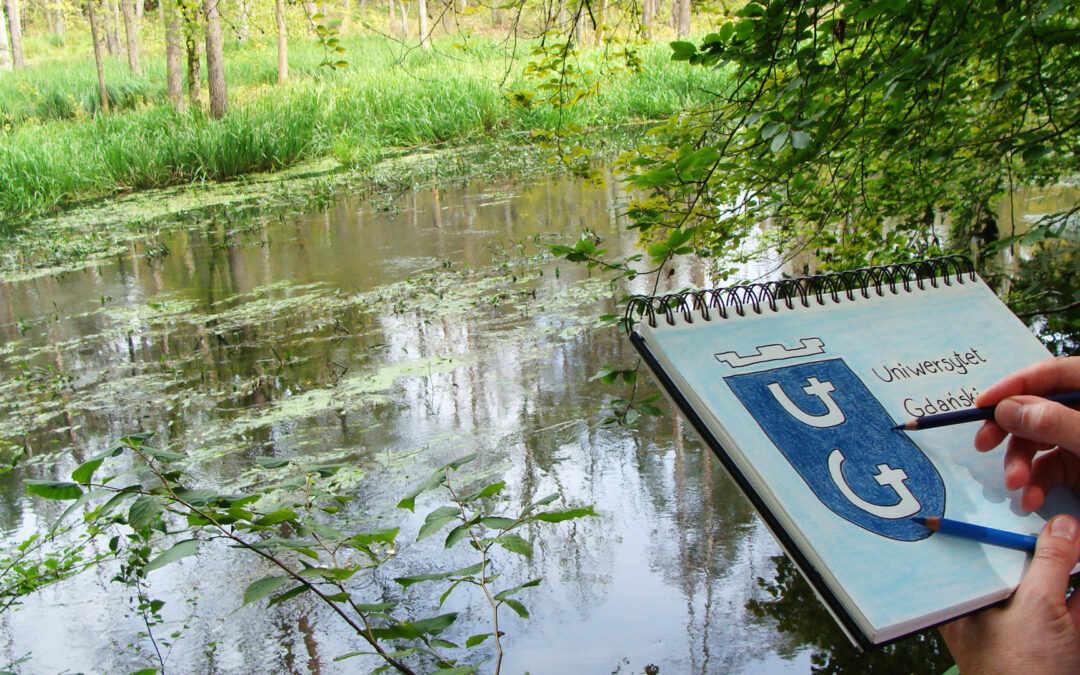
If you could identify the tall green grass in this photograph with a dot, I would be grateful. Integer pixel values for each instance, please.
(361, 111)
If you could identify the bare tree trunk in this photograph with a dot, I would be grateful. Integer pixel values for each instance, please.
(97, 58)
(648, 14)
(282, 42)
(140, 8)
(421, 10)
(390, 23)
(404, 19)
(5, 52)
(132, 31)
(346, 18)
(174, 87)
(15, 34)
(681, 14)
(215, 61)
(112, 27)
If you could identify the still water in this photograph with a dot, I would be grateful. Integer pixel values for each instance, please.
(394, 334)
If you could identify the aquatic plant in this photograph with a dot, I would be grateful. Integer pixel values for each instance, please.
(152, 516)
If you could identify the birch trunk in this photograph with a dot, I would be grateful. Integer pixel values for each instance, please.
(5, 53)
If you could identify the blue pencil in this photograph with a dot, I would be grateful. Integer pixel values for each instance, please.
(974, 414)
(986, 535)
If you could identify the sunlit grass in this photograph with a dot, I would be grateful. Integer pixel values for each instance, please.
(49, 158)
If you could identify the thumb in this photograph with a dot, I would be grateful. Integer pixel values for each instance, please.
(1056, 554)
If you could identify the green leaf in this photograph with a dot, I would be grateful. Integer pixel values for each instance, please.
(487, 491)
(502, 595)
(779, 141)
(497, 522)
(559, 516)
(180, 549)
(279, 516)
(437, 576)
(515, 544)
(52, 489)
(145, 511)
(288, 595)
(456, 535)
(162, 455)
(436, 520)
(800, 140)
(86, 470)
(517, 607)
(436, 624)
(386, 536)
(263, 588)
(474, 640)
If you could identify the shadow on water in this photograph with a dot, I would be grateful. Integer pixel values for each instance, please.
(395, 335)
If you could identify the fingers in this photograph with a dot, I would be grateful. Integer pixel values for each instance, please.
(1039, 420)
(1052, 469)
(1056, 553)
(1045, 377)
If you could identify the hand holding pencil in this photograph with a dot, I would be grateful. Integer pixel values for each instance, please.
(1043, 448)
(1038, 629)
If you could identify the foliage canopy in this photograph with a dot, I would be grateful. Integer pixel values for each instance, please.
(865, 131)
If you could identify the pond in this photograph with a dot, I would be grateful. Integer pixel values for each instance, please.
(394, 335)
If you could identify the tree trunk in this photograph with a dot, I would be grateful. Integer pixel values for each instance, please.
(390, 23)
(682, 18)
(648, 12)
(132, 31)
(282, 42)
(5, 53)
(215, 61)
(191, 45)
(346, 18)
(404, 19)
(421, 7)
(140, 7)
(97, 58)
(112, 27)
(174, 70)
(15, 33)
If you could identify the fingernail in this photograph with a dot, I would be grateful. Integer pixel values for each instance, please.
(1009, 413)
(1065, 527)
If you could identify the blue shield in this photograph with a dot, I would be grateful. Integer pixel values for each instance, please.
(837, 436)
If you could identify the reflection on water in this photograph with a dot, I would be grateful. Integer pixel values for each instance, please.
(394, 335)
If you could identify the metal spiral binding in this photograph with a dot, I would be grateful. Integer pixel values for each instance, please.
(835, 286)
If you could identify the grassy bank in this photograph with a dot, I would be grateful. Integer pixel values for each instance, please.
(359, 114)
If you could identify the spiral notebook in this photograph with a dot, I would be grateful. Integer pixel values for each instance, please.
(796, 384)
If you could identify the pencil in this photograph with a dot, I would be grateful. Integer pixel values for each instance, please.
(973, 414)
(986, 535)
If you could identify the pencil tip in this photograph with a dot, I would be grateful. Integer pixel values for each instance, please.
(898, 427)
(921, 521)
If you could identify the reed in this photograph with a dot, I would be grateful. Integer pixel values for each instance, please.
(51, 158)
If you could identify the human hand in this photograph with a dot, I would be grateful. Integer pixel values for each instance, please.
(1038, 629)
(1043, 450)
